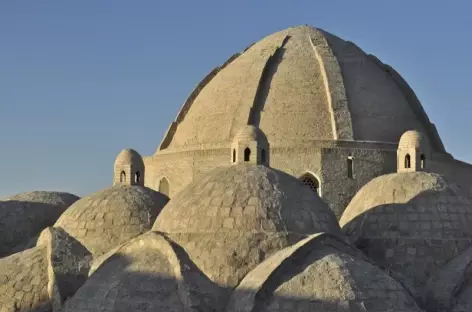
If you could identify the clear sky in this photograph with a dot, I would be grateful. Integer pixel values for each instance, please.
(81, 80)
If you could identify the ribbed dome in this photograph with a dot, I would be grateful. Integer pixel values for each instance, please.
(112, 216)
(411, 222)
(129, 156)
(301, 83)
(25, 215)
(246, 198)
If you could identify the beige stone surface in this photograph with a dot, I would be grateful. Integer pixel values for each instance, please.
(112, 216)
(24, 281)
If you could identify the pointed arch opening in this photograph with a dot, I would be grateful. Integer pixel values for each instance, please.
(164, 186)
(247, 154)
(137, 177)
(350, 167)
(407, 161)
(123, 176)
(234, 155)
(263, 156)
(422, 161)
(312, 182)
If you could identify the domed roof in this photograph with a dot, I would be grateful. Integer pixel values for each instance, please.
(318, 276)
(23, 216)
(396, 217)
(246, 198)
(129, 156)
(301, 83)
(250, 133)
(412, 139)
(112, 216)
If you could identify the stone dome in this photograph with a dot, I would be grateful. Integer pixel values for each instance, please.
(301, 84)
(410, 222)
(413, 139)
(129, 156)
(317, 275)
(234, 217)
(23, 216)
(110, 217)
(246, 198)
(250, 133)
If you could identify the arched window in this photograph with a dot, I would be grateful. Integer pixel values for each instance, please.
(247, 154)
(263, 156)
(137, 177)
(350, 166)
(407, 161)
(423, 161)
(312, 182)
(164, 187)
(123, 176)
(234, 155)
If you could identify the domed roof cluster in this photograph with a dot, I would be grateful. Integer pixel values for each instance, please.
(110, 217)
(247, 237)
(410, 222)
(24, 216)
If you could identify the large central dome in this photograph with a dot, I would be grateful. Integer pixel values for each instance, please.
(301, 84)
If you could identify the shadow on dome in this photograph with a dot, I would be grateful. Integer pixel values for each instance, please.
(416, 238)
(22, 221)
(147, 280)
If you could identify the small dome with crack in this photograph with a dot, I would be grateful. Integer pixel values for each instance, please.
(112, 216)
(24, 216)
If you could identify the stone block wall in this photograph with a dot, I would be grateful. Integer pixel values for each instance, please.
(327, 162)
(367, 164)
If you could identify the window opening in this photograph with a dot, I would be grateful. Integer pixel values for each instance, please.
(407, 161)
(247, 154)
(164, 187)
(312, 182)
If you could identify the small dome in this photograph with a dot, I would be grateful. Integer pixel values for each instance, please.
(129, 156)
(410, 222)
(25, 215)
(413, 139)
(246, 198)
(112, 216)
(250, 133)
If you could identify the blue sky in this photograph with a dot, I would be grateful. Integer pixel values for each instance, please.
(80, 80)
